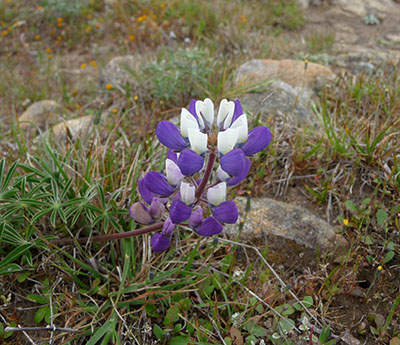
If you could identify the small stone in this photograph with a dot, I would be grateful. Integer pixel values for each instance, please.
(348, 339)
(79, 127)
(117, 71)
(293, 72)
(41, 114)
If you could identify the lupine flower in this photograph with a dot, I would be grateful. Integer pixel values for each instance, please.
(181, 191)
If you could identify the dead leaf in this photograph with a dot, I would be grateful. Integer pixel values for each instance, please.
(395, 341)
(236, 336)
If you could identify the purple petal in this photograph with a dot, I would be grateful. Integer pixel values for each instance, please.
(144, 192)
(172, 156)
(196, 218)
(226, 212)
(159, 242)
(170, 136)
(179, 212)
(190, 162)
(192, 108)
(209, 227)
(157, 183)
(233, 161)
(237, 179)
(259, 138)
(168, 227)
(156, 208)
(140, 214)
(238, 111)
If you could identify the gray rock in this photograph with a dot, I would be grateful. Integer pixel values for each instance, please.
(41, 114)
(290, 232)
(283, 103)
(363, 8)
(79, 127)
(117, 71)
(362, 59)
(293, 72)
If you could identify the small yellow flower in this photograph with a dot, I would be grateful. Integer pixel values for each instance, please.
(89, 16)
(4, 33)
(74, 92)
(59, 37)
(135, 98)
(114, 111)
(83, 66)
(93, 64)
(79, 107)
(97, 26)
(39, 8)
(60, 24)
(345, 222)
(89, 28)
(141, 18)
(59, 20)
(109, 86)
(2, 23)
(126, 41)
(244, 20)
(162, 5)
(49, 56)
(131, 37)
(48, 50)
(306, 61)
(37, 37)
(380, 268)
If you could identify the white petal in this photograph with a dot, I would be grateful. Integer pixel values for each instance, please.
(187, 191)
(205, 109)
(217, 194)
(198, 140)
(187, 121)
(227, 140)
(222, 175)
(225, 113)
(174, 175)
(241, 125)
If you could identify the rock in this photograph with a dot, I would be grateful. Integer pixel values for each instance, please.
(283, 103)
(293, 72)
(79, 127)
(116, 72)
(42, 113)
(362, 59)
(363, 8)
(291, 232)
(348, 339)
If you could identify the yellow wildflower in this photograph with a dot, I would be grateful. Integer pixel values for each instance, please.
(37, 37)
(74, 92)
(79, 107)
(141, 18)
(48, 50)
(97, 26)
(89, 16)
(109, 86)
(114, 111)
(4, 33)
(131, 37)
(83, 66)
(345, 222)
(380, 268)
(135, 98)
(244, 20)
(93, 64)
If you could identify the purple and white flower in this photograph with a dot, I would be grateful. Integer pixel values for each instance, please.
(183, 190)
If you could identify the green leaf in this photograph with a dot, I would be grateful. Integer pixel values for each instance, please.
(100, 332)
(11, 268)
(381, 217)
(181, 340)
(256, 330)
(286, 325)
(41, 312)
(38, 299)
(15, 254)
(308, 301)
(158, 332)
(350, 205)
(390, 245)
(22, 276)
(388, 257)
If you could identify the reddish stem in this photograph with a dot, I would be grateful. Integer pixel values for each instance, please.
(207, 173)
(111, 237)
